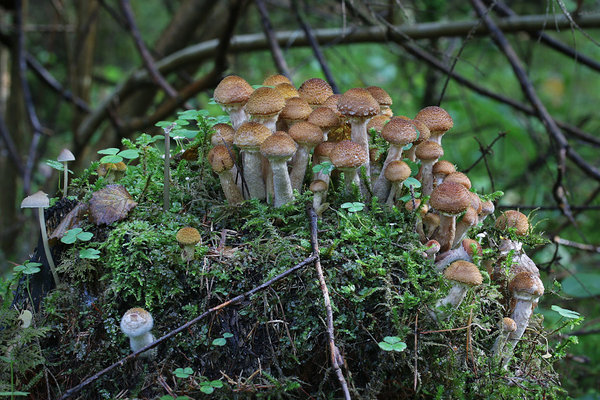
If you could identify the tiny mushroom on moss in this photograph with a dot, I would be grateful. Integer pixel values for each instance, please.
(462, 275)
(40, 201)
(64, 157)
(396, 173)
(319, 189)
(221, 161)
(136, 324)
(188, 238)
(507, 326)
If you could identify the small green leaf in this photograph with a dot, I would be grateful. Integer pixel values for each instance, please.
(110, 151)
(111, 159)
(227, 335)
(207, 389)
(353, 207)
(85, 236)
(129, 154)
(186, 133)
(216, 384)
(219, 342)
(566, 313)
(325, 167)
(91, 254)
(55, 164)
(392, 343)
(410, 181)
(14, 393)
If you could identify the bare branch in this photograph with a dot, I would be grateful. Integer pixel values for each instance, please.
(276, 52)
(11, 148)
(579, 246)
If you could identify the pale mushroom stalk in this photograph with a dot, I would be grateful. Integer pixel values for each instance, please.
(253, 174)
(136, 324)
(278, 149)
(64, 157)
(462, 275)
(299, 167)
(468, 220)
(230, 189)
(506, 328)
(281, 183)
(463, 252)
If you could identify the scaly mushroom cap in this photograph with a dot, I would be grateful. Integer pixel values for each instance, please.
(276, 79)
(429, 151)
(413, 204)
(307, 134)
(382, 97)
(264, 102)
(296, 109)
(436, 118)
(526, 285)
(136, 322)
(318, 186)
(120, 166)
(443, 167)
(37, 200)
(377, 123)
(463, 272)
(324, 149)
(250, 135)
(65, 155)
(459, 177)
(424, 132)
(487, 207)
(475, 202)
(279, 145)
(187, 236)
(222, 132)
(358, 103)
(450, 198)
(315, 91)
(397, 171)
(331, 103)
(233, 90)
(508, 325)
(399, 131)
(513, 219)
(219, 158)
(324, 118)
(287, 90)
(470, 217)
(347, 154)
(467, 244)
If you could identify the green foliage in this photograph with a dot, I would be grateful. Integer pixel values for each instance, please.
(392, 343)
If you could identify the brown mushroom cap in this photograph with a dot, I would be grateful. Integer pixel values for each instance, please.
(378, 122)
(37, 200)
(450, 198)
(265, 101)
(296, 109)
(250, 135)
(358, 103)
(382, 97)
(513, 219)
(120, 166)
(429, 151)
(276, 79)
(219, 158)
(315, 91)
(436, 118)
(324, 118)
(424, 132)
(443, 167)
(508, 325)
(331, 103)
(399, 131)
(233, 89)
(464, 272)
(467, 245)
(287, 90)
(413, 204)
(347, 154)
(279, 145)
(458, 177)
(324, 149)
(318, 186)
(431, 219)
(223, 132)
(470, 217)
(65, 155)
(475, 202)
(187, 236)
(307, 134)
(397, 171)
(526, 284)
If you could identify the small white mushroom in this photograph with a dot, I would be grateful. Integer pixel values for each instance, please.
(507, 326)
(64, 157)
(136, 324)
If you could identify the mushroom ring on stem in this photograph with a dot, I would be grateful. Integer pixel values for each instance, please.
(450, 200)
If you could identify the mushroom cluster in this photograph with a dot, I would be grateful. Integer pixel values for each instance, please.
(282, 131)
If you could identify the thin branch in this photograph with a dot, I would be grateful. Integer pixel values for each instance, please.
(236, 300)
(336, 358)
(11, 148)
(143, 50)
(315, 47)
(505, 11)
(576, 245)
(276, 52)
(199, 53)
(485, 151)
(545, 208)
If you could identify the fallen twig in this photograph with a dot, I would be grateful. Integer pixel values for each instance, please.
(336, 358)
(235, 300)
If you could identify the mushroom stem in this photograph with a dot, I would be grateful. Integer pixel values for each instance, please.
(231, 190)
(359, 135)
(446, 231)
(281, 183)
(65, 178)
(381, 188)
(237, 115)
(46, 246)
(351, 177)
(454, 297)
(253, 174)
(139, 342)
(299, 167)
(521, 314)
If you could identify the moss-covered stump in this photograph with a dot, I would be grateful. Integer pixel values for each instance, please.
(383, 290)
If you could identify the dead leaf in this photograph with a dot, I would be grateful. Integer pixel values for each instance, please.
(110, 204)
(70, 221)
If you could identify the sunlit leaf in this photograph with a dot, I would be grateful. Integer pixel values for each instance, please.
(566, 313)
(110, 204)
(110, 151)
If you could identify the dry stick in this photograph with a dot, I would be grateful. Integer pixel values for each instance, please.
(27, 97)
(143, 50)
(336, 358)
(545, 208)
(580, 246)
(416, 333)
(541, 111)
(11, 147)
(315, 47)
(504, 10)
(484, 151)
(167, 169)
(188, 324)
(276, 52)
